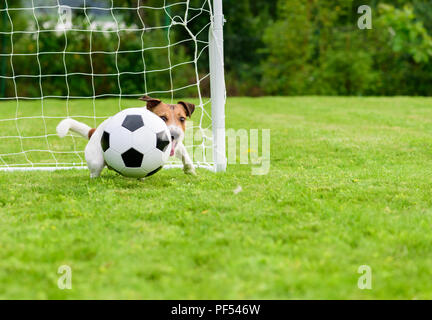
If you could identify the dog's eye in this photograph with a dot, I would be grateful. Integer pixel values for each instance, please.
(164, 118)
(182, 119)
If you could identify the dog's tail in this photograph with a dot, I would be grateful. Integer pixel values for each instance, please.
(69, 124)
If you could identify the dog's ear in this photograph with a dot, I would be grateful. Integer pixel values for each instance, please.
(189, 107)
(151, 102)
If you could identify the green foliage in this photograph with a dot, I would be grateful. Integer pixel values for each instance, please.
(285, 47)
(408, 35)
(315, 47)
(343, 73)
(288, 50)
(401, 49)
(244, 47)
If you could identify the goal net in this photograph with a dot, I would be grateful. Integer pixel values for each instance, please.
(89, 59)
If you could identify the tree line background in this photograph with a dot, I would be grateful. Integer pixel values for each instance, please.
(272, 47)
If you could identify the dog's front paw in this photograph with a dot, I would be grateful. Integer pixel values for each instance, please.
(189, 169)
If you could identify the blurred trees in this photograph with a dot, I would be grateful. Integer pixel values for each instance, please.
(315, 47)
(272, 47)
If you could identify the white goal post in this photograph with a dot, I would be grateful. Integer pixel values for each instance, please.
(87, 60)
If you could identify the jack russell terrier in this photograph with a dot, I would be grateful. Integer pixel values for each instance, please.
(174, 116)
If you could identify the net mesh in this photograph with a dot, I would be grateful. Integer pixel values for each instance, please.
(87, 60)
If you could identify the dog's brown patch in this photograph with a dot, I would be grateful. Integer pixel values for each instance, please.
(172, 114)
(189, 107)
(90, 133)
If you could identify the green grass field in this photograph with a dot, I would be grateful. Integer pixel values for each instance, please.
(349, 185)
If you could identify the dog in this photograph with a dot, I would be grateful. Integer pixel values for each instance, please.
(174, 116)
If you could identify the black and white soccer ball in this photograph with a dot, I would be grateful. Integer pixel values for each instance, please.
(136, 143)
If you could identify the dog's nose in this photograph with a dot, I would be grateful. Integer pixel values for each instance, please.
(174, 135)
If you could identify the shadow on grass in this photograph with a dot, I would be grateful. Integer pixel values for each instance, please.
(110, 180)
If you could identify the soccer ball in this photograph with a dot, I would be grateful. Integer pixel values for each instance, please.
(136, 143)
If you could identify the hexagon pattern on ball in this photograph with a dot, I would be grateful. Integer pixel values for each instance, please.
(136, 143)
(115, 121)
(144, 140)
(115, 160)
(133, 122)
(120, 139)
(152, 160)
